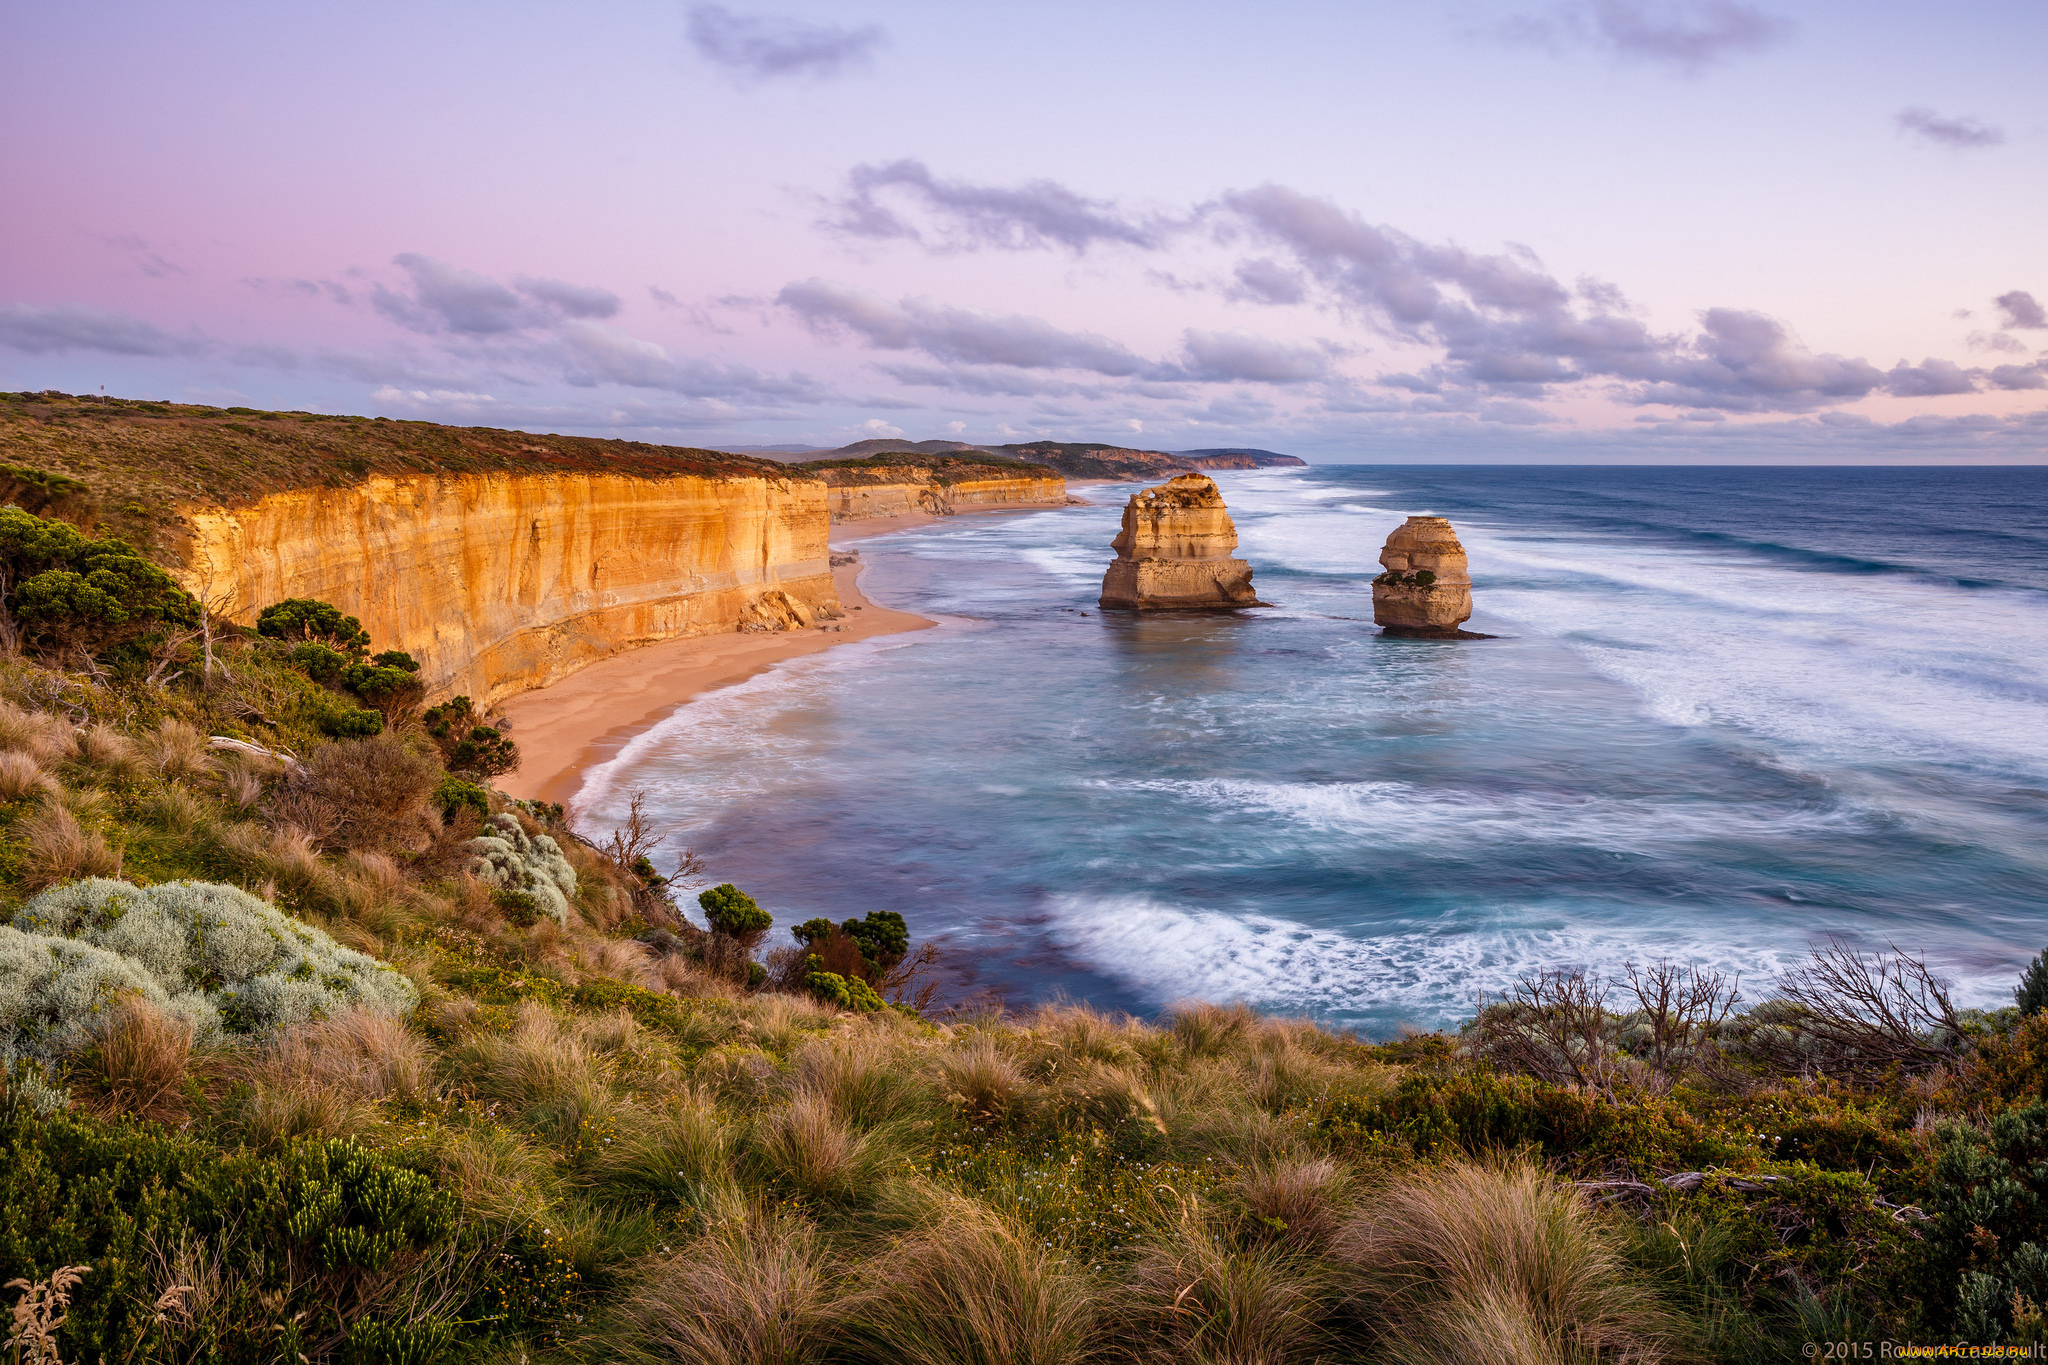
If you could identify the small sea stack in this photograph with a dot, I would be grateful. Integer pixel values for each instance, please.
(1177, 552)
(1426, 590)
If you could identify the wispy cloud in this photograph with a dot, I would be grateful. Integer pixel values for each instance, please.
(1948, 132)
(770, 47)
(446, 298)
(1688, 35)
(903, 199)
(80, 327)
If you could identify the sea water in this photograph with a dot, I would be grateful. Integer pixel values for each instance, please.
(1727, 714)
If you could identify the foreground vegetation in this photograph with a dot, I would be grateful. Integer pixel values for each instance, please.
(316, 1047)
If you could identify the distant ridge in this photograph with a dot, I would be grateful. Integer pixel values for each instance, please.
(1075, 459)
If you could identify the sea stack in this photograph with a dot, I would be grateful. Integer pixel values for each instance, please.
(1426, 589)
(1177, 552)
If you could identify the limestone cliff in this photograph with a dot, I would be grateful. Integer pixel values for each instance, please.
(498, 582)
(878, 488)
(1176, 551)
(1427, 587)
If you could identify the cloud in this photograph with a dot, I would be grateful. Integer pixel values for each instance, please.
(955, 335)
(1948, 132)
(1687, 34)
(1267, 281)
(883, 201)
(571, 300)
(1929, 379)
(594, 353)
(2034, 376)
(1238, 355)
(769, 47)
(2021, 309)
(81, 327)
(446, 298)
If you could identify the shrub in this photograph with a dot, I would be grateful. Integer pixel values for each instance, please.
(305, 619)
(368, 795)
(467, 747)
(1988, 1244)
(2031, 995)
(67, 591)
(732, 912)
(216, 954)
(848, 993)
(322, 663)
(55, 993)
(511, 860)
(454, 794)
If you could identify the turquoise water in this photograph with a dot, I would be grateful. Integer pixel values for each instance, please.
(1729, 712)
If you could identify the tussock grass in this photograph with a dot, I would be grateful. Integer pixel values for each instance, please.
(1196, 1298)
(1497, 1263)
(760, 1290)
(176, 750)
(137, 1065)
(971, 1288)
(1298, 1202)
(42, 736)
(22, 777)
(105, 754)
(56, 848)
(810, 1149)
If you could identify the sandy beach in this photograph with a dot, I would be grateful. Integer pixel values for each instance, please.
(564, 730)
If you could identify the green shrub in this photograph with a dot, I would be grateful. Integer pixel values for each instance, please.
(214, 953)
(67, 591)
(307, 619)
(322, 663)
(468, 748)
(293, 1241)
(511, 860)
(54, 992)
(456, 794)
(396, 658)
(2031, 995)
(847, 992)
(518, 907)
(732, 912)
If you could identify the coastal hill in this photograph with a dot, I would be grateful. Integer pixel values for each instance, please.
(941, 485)
(1075, 459)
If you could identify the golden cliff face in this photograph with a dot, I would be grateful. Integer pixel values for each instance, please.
(913, 489)
(498, 583)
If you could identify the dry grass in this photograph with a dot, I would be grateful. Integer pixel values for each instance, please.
(865, 1077)
(137, 1065)
(366, 1057)
(811, 1150)
(105, 752)
(174, 810)
(42, 736)
(21, 777)
(970, 1289)
(541, 1070)
(682, 1153)
(1299, 1202)
(1194, 1299)
(1496, 1264)
(758, 1291)
(176, 751)
(56, 848)
(985, 1082)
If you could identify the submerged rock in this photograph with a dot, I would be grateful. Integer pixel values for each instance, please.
(1177, 551)
(1427, 588)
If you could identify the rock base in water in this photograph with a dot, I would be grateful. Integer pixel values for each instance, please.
(1426, 591)
(1176, 552)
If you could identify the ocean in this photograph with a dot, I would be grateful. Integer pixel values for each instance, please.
(1728, 714)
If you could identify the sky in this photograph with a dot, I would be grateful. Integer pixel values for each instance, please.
(1634, 231)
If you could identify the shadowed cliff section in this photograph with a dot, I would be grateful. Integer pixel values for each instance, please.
(500, 560)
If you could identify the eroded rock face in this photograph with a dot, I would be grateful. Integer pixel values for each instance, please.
(1427, 588)
(1177, 551)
